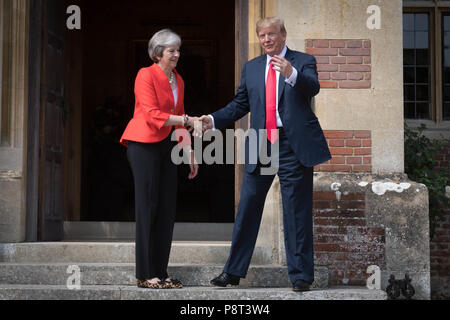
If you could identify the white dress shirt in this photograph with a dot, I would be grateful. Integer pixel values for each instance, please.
(292, 80)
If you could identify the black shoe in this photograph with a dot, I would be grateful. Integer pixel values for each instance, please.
(300, 286)
(225, 279)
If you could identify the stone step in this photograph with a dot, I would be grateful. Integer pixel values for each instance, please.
(122, 252)
(49, 292)
(124, 274)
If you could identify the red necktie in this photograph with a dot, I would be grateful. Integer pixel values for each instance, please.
(271, 105)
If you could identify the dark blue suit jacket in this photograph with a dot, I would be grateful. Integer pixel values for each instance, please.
(300, 124)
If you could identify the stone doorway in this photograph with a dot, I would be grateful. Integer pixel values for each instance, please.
(101, 61)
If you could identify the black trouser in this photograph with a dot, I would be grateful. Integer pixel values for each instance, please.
(155, 187)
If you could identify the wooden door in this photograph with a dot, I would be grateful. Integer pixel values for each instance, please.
(51, 180)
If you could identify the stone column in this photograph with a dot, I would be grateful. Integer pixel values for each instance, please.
(13, 79)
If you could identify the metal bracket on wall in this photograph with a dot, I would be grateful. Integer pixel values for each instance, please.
(396, 286)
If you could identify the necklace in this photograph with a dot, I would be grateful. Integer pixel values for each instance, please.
(171, 78)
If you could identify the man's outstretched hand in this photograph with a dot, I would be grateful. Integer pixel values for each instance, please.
(207, 123)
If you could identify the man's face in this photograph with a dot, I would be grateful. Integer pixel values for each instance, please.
(272, 40)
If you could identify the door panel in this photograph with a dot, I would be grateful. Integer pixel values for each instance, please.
(52, 120)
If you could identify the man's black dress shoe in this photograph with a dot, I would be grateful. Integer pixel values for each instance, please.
(225, 279)
(300, 286)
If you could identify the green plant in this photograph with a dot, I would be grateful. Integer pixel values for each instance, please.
(420, 165)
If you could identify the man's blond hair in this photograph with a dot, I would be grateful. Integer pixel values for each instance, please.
(271, 21)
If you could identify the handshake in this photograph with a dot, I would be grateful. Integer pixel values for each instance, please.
(198, 125)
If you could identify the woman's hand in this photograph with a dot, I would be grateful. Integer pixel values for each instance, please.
(194, 167)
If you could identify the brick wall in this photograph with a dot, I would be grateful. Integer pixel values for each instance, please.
(440, 259)
(342, 240)
(440, 244)
(351, 151)
(443, 159)
(342, 64)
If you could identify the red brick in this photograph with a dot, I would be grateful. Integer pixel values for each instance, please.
(337, 43)
(354, 44)
(327, 67)
(337, 160)
(309, 43)
(353, 160)
(339, 76)
(354, 52)
(328, 84)
(328, 238)
(368, 76)
(353, 196)
(355, 76)
(363, 134)
(341, 151)
(348, 222)
(335, 168)
(323, 59)
(322, 51)
(367, 60)
(367, 44)
(324, 76)
(326, 247)
(367, 143)
(339, 213)
(324, 204)
(351, 205)
(377, 230)
(355, 84)
(352, 143)
(336, 143)
(367, 160)
(354, 68)
(329, 134)
(324, 196)
(356, 282)
(330, 230)
(362, 168)
(339, 60)
(355, 60)
(369, 258)
(321, 43)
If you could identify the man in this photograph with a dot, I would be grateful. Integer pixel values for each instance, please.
(276, 88)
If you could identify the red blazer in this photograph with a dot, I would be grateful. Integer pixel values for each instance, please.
(154, 105)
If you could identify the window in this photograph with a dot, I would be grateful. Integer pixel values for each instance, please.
(426, 60)
(446, 65)
(416, 66)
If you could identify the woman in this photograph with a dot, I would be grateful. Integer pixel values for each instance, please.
(159, 95)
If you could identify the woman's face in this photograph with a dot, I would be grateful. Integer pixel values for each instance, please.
(170, 57)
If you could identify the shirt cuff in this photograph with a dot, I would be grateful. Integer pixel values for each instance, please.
(292, 80)
(213, 125)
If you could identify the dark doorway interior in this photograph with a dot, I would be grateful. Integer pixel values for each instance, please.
(112, 45)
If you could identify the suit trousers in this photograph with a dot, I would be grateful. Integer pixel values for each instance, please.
(155, 181)
(296, 183)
